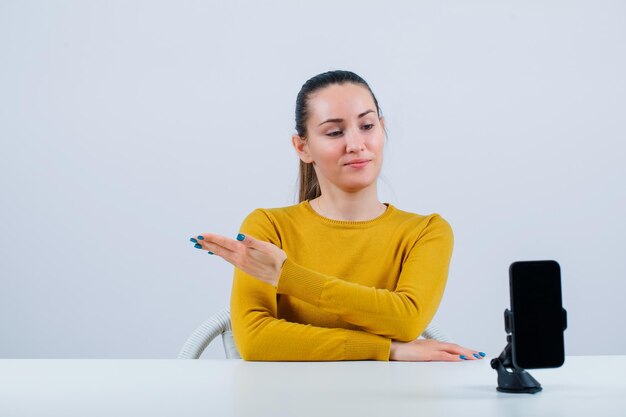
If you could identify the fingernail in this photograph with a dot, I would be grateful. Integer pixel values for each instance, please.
(200, 237)
(483, 354)
(477, 356)
(193, 240)
(197, 245)
(462, 357)
(210, 253)
(240, 237)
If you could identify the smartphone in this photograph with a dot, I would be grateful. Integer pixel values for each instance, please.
(538, 317)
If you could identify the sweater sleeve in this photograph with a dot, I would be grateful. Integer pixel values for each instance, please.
(261, 336)
(402, 314)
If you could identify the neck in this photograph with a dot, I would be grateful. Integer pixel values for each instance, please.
(360, 206)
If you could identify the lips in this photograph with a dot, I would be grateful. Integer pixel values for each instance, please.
(358, 161)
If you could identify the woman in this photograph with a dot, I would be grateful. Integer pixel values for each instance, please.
(339, 276)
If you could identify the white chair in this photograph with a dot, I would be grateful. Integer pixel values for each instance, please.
(219, 323)
(204, 334)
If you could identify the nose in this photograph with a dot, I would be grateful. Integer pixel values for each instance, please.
(355, 141)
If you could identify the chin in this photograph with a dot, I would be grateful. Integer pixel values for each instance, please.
(354, 186)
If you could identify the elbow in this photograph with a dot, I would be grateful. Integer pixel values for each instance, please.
(409, 325)
(247, 350)
(407, 333)
(250, 344)
(243, 348)
(409, 330)
(245, 345)
(251, 351)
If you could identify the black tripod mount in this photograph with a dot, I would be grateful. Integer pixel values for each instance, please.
(517, 380)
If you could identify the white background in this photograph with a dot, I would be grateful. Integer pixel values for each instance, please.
(128, 127)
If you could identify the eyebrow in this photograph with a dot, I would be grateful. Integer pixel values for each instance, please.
(341, 120)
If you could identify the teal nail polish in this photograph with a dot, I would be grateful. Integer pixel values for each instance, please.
(462, 357)
(483, 354)
(240, 237)
(193, 240)
(477, 356)
(197, 245)
(200, 237)
(210, 253)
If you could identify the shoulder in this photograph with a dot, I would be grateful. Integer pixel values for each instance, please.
(433, 220)
(264, 223)
(421, 225)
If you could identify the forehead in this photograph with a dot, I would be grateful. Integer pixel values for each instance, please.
(340, 101)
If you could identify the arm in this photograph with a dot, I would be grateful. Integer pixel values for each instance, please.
(260, 335)
(402, 314)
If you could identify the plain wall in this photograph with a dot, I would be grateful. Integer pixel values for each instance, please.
(129, 127)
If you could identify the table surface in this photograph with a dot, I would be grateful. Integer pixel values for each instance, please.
(584, 385)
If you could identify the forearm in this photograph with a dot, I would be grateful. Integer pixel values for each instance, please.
(270, 339)
(394, 315)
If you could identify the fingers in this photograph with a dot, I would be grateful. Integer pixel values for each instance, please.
(208, 239)
(461, 352)
(217, 245)
(212, 241)
(448, 357)
(254, 243)
(231, 250)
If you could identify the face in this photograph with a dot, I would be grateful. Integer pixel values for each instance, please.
(343, 126)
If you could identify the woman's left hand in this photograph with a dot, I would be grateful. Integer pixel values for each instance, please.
(262, 260)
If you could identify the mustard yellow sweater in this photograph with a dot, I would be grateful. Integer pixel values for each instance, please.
(346, 289)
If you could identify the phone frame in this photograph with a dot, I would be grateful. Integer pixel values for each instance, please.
(515, 346)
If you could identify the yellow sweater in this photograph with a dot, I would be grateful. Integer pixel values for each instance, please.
(346, 289)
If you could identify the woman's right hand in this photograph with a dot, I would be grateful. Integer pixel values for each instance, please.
(425, 350)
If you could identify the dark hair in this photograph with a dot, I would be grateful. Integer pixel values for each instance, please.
(309, 185)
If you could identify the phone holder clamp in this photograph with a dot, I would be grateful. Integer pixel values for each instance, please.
(517, 380)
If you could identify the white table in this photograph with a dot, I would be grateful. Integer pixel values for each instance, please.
(590, 386)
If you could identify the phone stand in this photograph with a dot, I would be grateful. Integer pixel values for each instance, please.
(516, 381)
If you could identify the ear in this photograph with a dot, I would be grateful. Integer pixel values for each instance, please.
(302, 148)
(382, 121)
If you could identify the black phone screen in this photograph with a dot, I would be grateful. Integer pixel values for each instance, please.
(538, 317)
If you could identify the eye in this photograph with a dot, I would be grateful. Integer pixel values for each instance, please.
(332, 134)
(370, 126)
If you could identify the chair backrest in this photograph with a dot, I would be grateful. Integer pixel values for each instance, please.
(219, 323)
(204, 334)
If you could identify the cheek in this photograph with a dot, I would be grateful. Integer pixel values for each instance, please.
(332, 153)
(377, 143)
